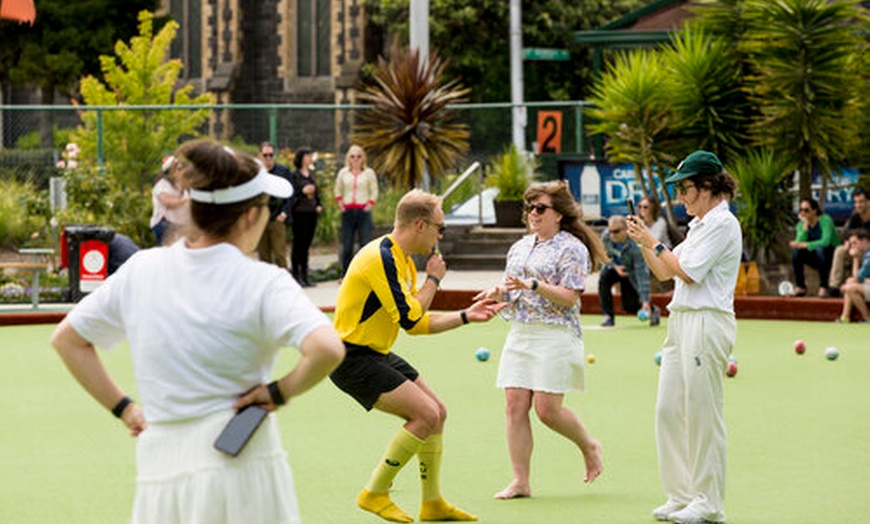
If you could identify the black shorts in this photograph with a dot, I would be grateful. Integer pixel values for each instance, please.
(365, 374)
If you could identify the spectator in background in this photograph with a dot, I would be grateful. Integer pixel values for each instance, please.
(121, 247)
(273, 244)
(304, 208)
(626, 268)
(171, 207)
(650, 211)
(856, 290)
(70, 157)
(841, 267)
(356, 191)
(813, 245)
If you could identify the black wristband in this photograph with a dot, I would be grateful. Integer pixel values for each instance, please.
(534, 284)
(122, 404)
(275, 393)
(435, 279)
(463, 316)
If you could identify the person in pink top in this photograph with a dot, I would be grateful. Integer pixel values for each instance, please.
(356, 191)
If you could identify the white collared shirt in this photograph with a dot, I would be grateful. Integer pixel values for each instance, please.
(710, 255)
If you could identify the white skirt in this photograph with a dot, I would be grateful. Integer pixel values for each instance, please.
(182, 479)
(542, 357)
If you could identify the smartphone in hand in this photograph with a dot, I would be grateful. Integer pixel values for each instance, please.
(240, 429)
(630, 203)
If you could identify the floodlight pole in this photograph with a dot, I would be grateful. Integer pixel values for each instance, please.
(518, 110)
(419, 18)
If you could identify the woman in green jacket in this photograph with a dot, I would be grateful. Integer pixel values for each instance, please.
(813, 245)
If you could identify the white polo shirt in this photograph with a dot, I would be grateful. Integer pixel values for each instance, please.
(710, 255)
(204, 325)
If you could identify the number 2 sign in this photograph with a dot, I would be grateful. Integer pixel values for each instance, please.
(549, 135)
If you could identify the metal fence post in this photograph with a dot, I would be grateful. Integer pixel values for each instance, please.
(578, 126)
(273, 126)
(100, 139)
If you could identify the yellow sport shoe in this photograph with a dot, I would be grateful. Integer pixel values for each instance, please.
(441, 510)
(381, 505)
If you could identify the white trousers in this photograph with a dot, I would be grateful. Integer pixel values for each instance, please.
(690, 423)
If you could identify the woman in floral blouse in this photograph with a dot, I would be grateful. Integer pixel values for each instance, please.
(542, 358)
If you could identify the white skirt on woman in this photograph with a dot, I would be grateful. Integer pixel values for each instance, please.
(183, 479)
(542, 357)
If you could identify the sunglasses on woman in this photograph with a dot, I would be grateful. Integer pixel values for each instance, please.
(537, 208)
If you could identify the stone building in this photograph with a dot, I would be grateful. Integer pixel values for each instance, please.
(275, 51)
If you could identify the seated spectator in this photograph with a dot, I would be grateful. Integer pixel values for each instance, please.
(841, 267)
(856, 290)
(626, 268)
(813, 245)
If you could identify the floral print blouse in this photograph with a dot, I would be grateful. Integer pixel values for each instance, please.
(562, 260)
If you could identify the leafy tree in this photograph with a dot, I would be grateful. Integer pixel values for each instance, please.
(135, 141)
(456, 27)
(63, 44)
(807, 80)
(409, 127)
(710, 110)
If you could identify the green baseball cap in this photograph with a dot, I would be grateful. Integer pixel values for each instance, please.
(698, 163)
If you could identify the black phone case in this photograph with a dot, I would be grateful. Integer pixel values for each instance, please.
(239, 430)
(630, 203)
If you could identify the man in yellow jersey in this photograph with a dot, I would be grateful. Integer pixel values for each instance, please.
(378, 296)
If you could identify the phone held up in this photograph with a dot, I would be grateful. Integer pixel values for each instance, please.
(240, 429)
(630, 203)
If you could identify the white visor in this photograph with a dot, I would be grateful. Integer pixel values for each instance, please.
(263, 182)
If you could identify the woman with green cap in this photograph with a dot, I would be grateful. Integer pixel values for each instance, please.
(690, 423)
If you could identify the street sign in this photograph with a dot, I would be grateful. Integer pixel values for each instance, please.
(546, 53)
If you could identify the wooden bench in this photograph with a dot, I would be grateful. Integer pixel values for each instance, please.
(34, 267)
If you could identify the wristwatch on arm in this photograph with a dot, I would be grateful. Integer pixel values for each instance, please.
(659, 249)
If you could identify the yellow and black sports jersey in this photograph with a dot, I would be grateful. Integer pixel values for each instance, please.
(377, 297)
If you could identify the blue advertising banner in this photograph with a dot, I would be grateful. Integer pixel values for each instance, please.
(838, 203)
(602, 189)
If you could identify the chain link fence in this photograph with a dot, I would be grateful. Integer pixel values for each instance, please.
(33, 138)
(48, 161)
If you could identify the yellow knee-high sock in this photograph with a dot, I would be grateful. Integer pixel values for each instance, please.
(403, 446)
(429, 456)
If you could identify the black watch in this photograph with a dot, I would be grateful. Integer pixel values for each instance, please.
(659, 249)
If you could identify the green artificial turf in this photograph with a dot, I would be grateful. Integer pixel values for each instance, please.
(798, 430)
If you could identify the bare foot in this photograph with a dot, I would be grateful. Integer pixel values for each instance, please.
(592, 457)
(515, 490)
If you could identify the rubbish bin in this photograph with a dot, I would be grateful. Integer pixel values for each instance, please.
(85, 250)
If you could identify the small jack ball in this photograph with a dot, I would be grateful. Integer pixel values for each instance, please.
(590, 358)
(832, 353)
(658, 358)
(482, 354)
(643, 315)
(799, 347)
(731, 370)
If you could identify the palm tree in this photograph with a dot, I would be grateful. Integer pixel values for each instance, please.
(807, 80)
(710, 111)
(632, 108)
(408, 129)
